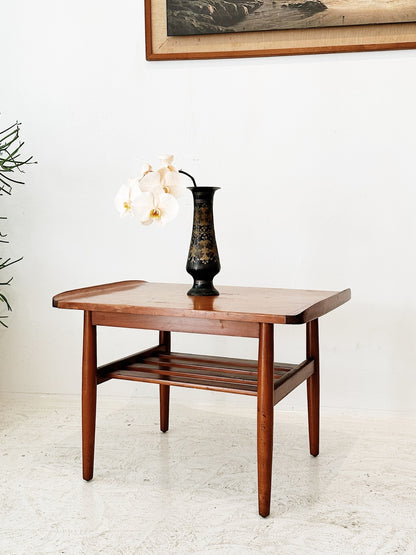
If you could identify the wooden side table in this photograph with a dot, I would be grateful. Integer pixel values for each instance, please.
(238, 311)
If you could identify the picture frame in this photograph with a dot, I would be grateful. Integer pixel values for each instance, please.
(357, 38)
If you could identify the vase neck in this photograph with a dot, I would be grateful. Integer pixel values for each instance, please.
(203, 193)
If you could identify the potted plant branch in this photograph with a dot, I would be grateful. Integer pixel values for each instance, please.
(10, 162)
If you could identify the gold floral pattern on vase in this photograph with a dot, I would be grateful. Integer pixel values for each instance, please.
(203, 260)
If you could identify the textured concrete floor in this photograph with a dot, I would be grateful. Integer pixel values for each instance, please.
(193, 490)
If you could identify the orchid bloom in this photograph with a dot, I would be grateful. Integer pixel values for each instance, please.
(126, 198)
(160, 208)
(170, 178)
(151, 183)
(165, 180)
(152, 196)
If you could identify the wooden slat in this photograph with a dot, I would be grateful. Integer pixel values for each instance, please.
(103, 370)
(210, 365)
(194, 373)
(214, 385)
(203, 372)
(199, 364)
(154, 364)
(225, 361)
(213, 361)
(198, 369)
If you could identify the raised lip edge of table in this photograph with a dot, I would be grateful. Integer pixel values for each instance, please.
(68, 300)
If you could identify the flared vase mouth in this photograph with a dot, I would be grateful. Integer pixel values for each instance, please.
(196, 189)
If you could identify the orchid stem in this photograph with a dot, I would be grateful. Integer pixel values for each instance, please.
(190, 177)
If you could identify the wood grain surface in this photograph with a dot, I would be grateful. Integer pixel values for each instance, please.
(239, 304)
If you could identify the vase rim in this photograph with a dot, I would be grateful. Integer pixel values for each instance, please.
(203, 188)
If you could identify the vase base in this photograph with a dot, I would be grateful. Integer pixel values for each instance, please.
(202, 288)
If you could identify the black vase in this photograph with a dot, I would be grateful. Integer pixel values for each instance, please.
(203, 260)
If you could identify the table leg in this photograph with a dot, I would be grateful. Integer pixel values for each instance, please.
(265, 407)
(164, 390)
(312, 352)
(89, 395)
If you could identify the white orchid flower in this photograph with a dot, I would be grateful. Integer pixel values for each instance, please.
(167, 160)
(164, 180)
(160, 208)
(173, 184)
(151, 183)
(170, 178)
(152, 196)
(126, 197)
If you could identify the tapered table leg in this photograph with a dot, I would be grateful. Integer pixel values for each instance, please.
(265, 407)
(312, 352)
(164, 390)
(89, 395)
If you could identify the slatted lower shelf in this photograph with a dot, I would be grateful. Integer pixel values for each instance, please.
(201, 372)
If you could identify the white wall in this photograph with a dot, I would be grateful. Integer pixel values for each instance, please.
(315, 157)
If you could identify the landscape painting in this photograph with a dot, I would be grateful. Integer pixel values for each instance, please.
(204, 17)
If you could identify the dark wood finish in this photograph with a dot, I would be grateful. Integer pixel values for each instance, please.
(292, 379)
(230, 363)
(228, 375)
(265, 406)
(164, 390)
(172, 323)
(312, 386)
(104, 370)
(238, 311)
(235, 304)
(89, 396)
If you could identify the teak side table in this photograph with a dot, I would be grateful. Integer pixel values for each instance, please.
(238, 311)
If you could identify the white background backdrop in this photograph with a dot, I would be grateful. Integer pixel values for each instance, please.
(315, 157)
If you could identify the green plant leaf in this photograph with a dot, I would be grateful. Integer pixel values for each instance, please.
(10, 161)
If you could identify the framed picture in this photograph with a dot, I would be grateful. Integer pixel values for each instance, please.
(201, 29)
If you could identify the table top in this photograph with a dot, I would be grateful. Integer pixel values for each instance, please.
(243, 304)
